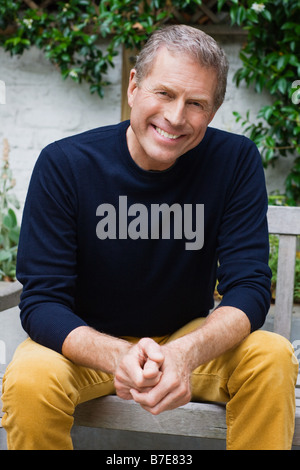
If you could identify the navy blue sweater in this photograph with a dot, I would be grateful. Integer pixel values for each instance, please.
(107, 244)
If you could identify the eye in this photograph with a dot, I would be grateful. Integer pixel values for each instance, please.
(162, 93)
(196, 104)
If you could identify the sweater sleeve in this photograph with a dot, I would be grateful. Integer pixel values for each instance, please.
(46, 264)
(243, 244)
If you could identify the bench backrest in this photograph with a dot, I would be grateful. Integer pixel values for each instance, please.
(284, 222)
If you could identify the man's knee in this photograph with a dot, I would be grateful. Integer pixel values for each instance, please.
(35, 379)
(38, 399)
(271, 351)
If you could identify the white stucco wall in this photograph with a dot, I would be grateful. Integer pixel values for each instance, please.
(41, 107)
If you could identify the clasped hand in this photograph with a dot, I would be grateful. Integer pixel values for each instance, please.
(155, 376)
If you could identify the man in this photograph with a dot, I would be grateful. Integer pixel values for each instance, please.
(124, 232)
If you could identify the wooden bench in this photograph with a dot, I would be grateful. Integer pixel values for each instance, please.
(206, 420)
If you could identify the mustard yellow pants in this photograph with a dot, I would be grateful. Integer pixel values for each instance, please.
(256, 379)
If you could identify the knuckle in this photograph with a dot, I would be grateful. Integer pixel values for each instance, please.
(139, 382)
(176, 383)
(118, 374)
(154, 411)
(151, 402)
(117, 383)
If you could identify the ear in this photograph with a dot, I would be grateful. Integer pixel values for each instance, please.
(132, 86)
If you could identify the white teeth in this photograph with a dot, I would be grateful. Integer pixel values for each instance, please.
(166, 134)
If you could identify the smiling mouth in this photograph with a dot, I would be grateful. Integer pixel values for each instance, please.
(166, 134)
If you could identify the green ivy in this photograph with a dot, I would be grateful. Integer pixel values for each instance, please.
(9, 228)
(271, 62)
(69, 33)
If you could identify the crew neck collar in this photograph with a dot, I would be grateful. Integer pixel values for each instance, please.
(149, 174)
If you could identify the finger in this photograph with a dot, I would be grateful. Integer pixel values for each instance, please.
(149, 377)
(152, 370)
(171, 391)
(125, 392)
(148, 400)
(152, 350)
(140, 368)
(168, 402)
(130, 369)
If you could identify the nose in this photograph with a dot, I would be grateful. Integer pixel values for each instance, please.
(175, 113)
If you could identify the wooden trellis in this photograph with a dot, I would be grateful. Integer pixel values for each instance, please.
(207, 13)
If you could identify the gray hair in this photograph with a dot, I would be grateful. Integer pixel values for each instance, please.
(183, 39)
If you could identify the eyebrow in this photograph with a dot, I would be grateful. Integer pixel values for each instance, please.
(171, 90)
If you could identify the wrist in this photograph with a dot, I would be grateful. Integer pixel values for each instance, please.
(120, 348)
(186, 349)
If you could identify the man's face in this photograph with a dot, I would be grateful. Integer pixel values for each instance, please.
(170, 110)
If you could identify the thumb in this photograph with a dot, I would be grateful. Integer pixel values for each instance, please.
(152, 369)
(151, 350)
(154, 357)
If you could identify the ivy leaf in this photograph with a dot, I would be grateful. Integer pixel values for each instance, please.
(260, 83)
(5, 255)
(282, 62)
(266, 112)
(282, 85)
(270, 142)
(267, 15)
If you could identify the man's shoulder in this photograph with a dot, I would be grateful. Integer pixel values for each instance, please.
(220, 135)
(228, 146)
(76, 147)
(92, 136)
(74, 151)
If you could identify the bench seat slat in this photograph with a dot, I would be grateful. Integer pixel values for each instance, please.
(193, 419)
